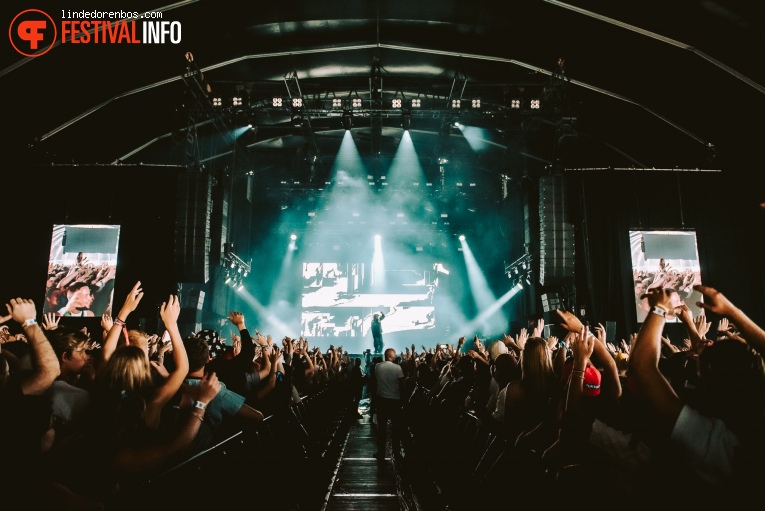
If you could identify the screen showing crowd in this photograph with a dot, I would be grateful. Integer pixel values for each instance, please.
(666, 259)
(82, 268)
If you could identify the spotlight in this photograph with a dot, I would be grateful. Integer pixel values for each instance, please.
(535, 105)
(356, 103)
(293, 237)
(515, 103)
(347, 120)
(456, 103)
(416, 103)
(395, 103)
(337, 102)
(528, 280)
(378, 237)
(236, 101)
(244, 275)
(241, 286)
(476, 103)
(217, 101)
(297, 102)
(277, 102)
(462, 237)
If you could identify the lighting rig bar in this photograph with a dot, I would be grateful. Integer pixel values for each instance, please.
(235, 268)
(520, 270)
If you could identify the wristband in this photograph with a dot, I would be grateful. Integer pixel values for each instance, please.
(199, 404)
(30, 322)
(659, 311)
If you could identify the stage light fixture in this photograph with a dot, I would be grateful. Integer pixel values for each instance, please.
(277, 102)
(476, 103)
(395, 103)
(293, 237)
(515, 103)
(462, 237)
(297, 102)
(236, 101)
(337, 102)
(416, 103)
(356, 102)
(217, 101)
(535, 104)
(456, 103)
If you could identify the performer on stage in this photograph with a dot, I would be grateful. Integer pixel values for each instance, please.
(377, 331)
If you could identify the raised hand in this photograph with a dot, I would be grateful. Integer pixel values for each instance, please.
(570, 321)
(521, 338)
(209, 387)
(582, 348)
(170, 310)
(237, 318)
(50, 321)
(106, 322)
(715, 301)
(600, 333)
(552, 341)
(723, 326)
(22, 309)
(702, 325)
(133, 299)
(539, 328)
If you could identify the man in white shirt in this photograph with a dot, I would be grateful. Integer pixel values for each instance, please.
(390, 390)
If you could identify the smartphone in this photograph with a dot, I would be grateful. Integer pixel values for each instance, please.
(444, 346)
(165, 337)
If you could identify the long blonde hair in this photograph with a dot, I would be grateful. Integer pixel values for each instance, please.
(127, 370)
(537, 372)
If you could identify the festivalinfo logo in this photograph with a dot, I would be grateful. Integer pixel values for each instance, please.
(34, 32)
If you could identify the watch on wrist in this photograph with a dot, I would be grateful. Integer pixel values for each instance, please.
(659, 311)
(30, 322)
(199, 404)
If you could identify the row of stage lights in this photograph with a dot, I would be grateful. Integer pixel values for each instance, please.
(235, 269)
(520, 271)
(395, 103)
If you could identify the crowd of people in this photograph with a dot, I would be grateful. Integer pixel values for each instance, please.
(87, 413)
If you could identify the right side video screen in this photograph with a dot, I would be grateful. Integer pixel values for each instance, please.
(668, 259)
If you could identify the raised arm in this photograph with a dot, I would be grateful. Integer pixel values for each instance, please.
(247, 352)
(45, 366)
(169, 312)
(644, 363)
(716, 302)
(112, 338)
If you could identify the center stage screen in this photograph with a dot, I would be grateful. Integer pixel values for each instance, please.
(339, 299)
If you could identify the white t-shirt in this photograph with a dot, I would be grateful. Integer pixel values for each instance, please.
(387, 376)
(707, 446)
